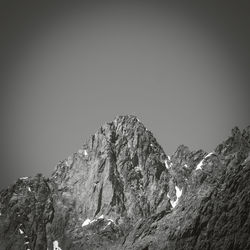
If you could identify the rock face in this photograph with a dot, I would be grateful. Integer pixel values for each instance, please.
(121, 191)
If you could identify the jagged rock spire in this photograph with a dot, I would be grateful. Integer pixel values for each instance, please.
(120, 191)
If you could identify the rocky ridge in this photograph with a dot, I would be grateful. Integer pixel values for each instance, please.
(121, 191)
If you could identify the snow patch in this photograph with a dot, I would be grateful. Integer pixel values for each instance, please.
(178, 192)
(199, 165)
(186, 166)
(110, 221)
(201, 162)
(56, 246)
(85, 152)
(21, 231)
(178, 195)
(86, 222)
(173, 203)
(168, 157)
(209, 155)
(23, 178)
(166, 164)
(29, 189)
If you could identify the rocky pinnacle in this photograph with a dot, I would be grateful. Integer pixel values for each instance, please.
(121, 191)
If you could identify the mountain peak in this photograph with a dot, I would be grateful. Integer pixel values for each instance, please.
(120, 191)
(120, 163)
(124, 123)
(127, 130)
(126, 119)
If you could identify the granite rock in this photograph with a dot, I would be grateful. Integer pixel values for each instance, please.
(121, 191)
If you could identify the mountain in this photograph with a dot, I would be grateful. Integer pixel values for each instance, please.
(121, 191)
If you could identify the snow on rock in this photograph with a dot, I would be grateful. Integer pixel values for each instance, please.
(109, 223)
(85, 152)
(56, 246)
(173, 203)
(201, 162)
(209, 155)
(110, 220)
(178, 192)
(21, 231)
(166, 164)
(86, 222)
(199, 165)
(186, 166)
(23, 178)
(178, 195)
(29, 189)
(168, 157)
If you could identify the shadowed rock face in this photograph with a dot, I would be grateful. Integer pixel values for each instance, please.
(120, 191)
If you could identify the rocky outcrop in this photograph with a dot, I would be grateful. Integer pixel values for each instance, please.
(26, 208)
(121, 191)
(119, 173)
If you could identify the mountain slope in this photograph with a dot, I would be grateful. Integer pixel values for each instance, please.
(120, 191)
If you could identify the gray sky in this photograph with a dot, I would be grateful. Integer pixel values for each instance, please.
(68, 67)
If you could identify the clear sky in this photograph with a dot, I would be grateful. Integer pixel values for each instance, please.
(69, 66)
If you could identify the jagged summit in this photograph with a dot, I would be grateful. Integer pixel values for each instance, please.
(123, 125)
(121, 191)
(116, 166)
(127, 128)
(126, 121)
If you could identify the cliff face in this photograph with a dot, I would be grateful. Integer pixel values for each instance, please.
(120, 191)
(26, 208)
